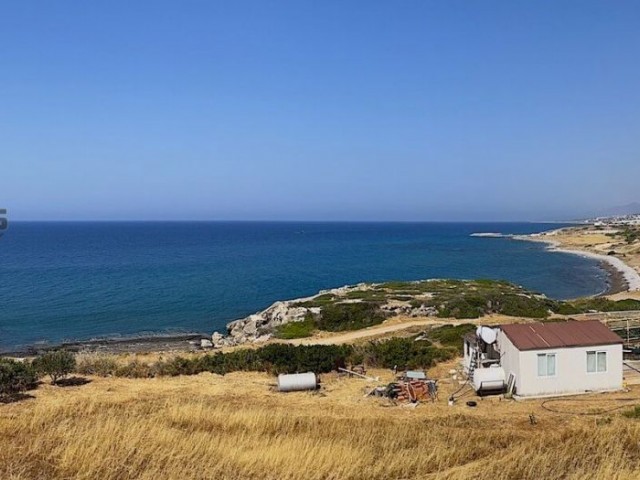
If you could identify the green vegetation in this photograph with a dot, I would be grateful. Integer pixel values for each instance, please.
(461, 299)
(15, 378)
(451, 335)
(630, 235)
(350, 316)
(293, 330)
(319, 301)
(412, 352)
(471, 299)
(96, 364)
(367, 295)
(274, 358)
(635, 413)
(57, 365)
(361, 308)
(404, 353)
(599, 304)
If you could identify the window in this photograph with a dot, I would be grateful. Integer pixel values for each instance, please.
(596, 362)
(546, 364)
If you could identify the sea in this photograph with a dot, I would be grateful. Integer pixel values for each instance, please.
(75, 281)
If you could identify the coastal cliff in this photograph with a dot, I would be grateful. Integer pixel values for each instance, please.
(265, 324)
(365, 305)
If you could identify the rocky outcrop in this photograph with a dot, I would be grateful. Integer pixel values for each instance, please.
(261, 326)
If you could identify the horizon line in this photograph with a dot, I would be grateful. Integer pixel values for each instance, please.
(279, 221)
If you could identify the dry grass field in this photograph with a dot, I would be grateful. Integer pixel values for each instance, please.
(235, 427)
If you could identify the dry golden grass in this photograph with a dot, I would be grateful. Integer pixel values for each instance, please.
(234, 427)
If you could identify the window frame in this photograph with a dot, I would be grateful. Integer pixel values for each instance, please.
(547, 355)
(597, 354)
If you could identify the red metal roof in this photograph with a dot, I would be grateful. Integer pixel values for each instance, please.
(537, 336)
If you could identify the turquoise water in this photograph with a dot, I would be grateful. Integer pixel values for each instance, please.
(63, 281)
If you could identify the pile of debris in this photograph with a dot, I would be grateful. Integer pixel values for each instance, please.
(413, 391)
(410, 387)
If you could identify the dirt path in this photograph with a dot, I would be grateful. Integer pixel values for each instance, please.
(349, 337)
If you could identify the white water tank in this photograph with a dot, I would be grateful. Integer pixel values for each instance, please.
(297, 382)
(491, 379)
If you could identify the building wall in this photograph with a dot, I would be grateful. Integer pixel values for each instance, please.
(509, 358)
(571, 369)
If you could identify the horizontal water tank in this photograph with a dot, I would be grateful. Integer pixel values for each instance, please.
(297, 381)
(491, 379)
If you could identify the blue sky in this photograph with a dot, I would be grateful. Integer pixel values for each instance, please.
(318, 110)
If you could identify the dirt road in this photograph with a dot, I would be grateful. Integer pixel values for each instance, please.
(350, 337)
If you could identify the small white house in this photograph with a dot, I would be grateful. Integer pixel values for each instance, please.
(560, 358)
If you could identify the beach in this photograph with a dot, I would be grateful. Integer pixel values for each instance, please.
(621, 261)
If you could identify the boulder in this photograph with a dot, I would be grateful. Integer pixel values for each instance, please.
(206, 343)
(217, 339)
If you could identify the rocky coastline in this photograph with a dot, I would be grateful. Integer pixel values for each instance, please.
(262, 326)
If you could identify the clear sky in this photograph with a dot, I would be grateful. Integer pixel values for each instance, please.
(318, 110)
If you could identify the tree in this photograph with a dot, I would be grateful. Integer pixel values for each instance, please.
(56, 364)
(15, 377)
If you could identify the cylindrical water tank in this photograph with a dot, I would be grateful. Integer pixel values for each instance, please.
(488, 379)
(297, 381)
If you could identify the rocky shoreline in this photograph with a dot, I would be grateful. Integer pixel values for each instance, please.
(174, 342)
(261, 326)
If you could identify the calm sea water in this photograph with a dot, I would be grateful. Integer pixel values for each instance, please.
(61, 281)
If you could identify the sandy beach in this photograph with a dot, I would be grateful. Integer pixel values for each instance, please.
(622, 261)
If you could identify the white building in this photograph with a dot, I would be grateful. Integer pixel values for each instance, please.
(555, 358)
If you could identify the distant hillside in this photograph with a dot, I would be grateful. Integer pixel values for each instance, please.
(629, 209)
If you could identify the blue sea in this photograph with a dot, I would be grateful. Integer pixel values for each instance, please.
(76, 281)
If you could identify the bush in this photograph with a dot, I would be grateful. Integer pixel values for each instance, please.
(279, 358)
(635, 413)
(523, 306)
(319, 301)
(301, 329)
(599, 304)
(404, 353)
(57, 364)
(275, 358)
(472, 307)
(451, 335)
(15, 377)
(136, 369)
(566, 308)
(96, 364)
(350, 316)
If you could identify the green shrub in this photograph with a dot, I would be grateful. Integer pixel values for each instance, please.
(282, 358)
(136, 369)
(599, 304)
(523, 306)
(451, 335)
(274, 358)
(566, 308)
(462, 307)
(319, 301)
(369, 295)
(350, 316)
(57, 364)
(635, 413)
(292, 330)
(96, 364)
(15, 377)
(404, 353)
